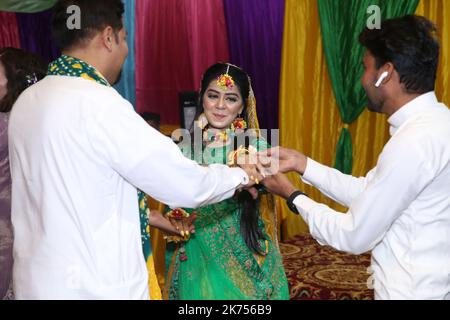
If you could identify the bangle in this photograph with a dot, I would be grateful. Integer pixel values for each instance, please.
(290, 201)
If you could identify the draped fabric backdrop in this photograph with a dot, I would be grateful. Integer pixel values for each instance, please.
(309, 113)
(255, 36)
(341, 24)
(9, 32)
(207, 34)
(438, 11)
(36, 34)
(177, 41)
(29, 6)
(127, 84)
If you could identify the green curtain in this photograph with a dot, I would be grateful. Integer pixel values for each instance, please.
(26, 6)
(341, 23)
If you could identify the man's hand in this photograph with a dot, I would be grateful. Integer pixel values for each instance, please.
(282, 160)
(280, 185)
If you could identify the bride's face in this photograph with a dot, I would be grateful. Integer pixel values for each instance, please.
(222, 106)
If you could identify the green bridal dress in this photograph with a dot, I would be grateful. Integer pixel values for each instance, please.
(216, 264)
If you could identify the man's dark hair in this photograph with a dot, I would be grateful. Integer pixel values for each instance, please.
(96, 15)
(410, 44)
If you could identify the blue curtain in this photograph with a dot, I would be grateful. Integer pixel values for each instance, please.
(127, 84)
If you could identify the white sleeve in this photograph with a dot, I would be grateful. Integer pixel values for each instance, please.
(334, 184)
(154, 163)
(401, 174)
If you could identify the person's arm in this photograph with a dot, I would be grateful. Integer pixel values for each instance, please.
(401, 174)
(342, 188)
(157, 220)
(336, 185)
(154, 164)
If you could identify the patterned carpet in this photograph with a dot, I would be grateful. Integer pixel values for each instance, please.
(319, 272)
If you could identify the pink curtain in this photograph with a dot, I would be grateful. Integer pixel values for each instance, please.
(175, 42)
(9, 32)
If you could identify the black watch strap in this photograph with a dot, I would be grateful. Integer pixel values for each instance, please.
(290, 201)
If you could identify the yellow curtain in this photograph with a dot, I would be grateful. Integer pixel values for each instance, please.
(309, 118)
(438, 11)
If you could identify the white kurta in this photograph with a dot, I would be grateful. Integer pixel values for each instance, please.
(400, 210)
(78, 151)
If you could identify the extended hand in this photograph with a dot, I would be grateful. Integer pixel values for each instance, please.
(282, 160)
(182, 227)
(280, 185)
(249, 164)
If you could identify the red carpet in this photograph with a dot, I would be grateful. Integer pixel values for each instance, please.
(319, 272)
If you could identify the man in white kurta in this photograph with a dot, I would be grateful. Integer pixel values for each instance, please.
(401, 209)
(78, 151)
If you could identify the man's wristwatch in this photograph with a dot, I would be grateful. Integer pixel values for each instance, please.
(290, 201)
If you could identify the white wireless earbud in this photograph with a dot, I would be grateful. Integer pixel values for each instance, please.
(383, 76)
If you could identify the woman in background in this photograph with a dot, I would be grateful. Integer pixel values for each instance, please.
(18, 71)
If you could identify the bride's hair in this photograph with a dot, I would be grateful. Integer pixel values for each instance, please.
(249, 207)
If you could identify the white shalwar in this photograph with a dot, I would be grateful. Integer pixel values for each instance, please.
(78, 152)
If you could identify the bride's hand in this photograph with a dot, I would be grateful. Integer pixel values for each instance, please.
(182, 227)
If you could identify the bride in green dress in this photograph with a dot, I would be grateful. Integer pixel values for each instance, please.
(234, 252)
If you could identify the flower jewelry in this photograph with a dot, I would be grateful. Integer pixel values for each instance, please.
(225, 81)
(178, 214)
(239, 124)
(220, 136)
(202, 121)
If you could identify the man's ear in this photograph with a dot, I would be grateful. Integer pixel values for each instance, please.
(108, 37)
(389, 67)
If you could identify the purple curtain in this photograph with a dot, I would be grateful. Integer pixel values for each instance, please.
(255, 38)
(36, 34)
